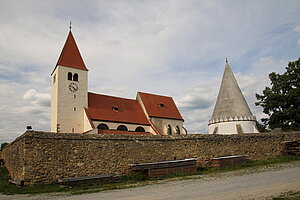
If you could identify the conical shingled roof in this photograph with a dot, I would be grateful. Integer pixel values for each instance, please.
(231, 104)
(70, 55)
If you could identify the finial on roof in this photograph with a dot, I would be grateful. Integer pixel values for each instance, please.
(226, 60)
(70, 27)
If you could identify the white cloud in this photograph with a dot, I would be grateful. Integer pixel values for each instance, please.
(168, 47)
(37, 99)
(297, 29)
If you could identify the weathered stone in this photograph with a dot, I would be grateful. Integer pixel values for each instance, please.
(50, 156)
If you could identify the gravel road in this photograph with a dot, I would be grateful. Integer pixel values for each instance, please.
(245, 184)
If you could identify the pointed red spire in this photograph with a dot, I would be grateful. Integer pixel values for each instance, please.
(70, 55)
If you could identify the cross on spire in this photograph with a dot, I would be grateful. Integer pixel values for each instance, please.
(70, 27)
(226, 60)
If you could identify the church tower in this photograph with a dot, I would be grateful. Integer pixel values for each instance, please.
(231, 114)
(69, 89)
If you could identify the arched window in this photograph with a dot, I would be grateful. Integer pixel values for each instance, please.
(102, 127)
(69, 76)
(75, 77)
(169, 130)
(139, 129)
(122, 128)
(177, 130)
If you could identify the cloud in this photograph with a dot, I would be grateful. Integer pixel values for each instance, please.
(297, 29)
(37, 99)
(174, 48)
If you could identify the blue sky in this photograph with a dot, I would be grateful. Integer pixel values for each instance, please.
(175, 48)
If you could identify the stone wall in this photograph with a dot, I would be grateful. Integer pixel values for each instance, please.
(39, 157)
(13, 155)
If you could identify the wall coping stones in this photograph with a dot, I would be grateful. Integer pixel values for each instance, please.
(76, 136)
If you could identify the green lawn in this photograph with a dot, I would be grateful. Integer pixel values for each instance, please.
(128, 181)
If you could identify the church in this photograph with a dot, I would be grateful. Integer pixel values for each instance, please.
(75, 110)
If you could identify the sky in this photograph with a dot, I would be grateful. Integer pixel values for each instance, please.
(172, 47)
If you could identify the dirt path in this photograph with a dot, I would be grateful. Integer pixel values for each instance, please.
(253, 184)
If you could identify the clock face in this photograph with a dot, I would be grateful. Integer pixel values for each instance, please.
(73, 87)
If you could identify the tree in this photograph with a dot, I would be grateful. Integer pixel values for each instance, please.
(281, 101)
(3, 145)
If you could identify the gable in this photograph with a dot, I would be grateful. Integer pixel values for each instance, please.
(115, 109)
(159, 106)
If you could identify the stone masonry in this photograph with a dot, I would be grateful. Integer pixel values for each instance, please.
(42, 157)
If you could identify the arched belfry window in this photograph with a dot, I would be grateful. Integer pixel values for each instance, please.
(102, 127)
(122, 128)
(69, 76)
(177, 130)
(75, 77)
(139, 129)
(169, 130)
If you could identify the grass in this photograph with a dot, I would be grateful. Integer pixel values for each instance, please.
(250, 164)
(131, 181)
(288, 196)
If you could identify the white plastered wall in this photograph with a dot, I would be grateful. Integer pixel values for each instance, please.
(86, 122)
(229, 128)
(161, 125)
(114, 125)
(63, 101)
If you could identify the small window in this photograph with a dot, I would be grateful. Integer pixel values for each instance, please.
(177, 130)
(58, 128)
(161, 105)
(54, 78)
(139, 129)
(73, 130)
(74, 108)
(75, 77)
(102, 127)
(169, 130)
(122, 128)
(69, 76)
(115, 108)
(74, 96)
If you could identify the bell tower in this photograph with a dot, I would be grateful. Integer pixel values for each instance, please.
(69, 88)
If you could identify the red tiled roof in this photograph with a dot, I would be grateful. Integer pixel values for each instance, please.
(70, 55)
(100, 107)
(160, 106)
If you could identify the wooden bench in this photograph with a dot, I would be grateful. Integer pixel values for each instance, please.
(165, 168)
(90, 180)
(228, 161)
(292, 148)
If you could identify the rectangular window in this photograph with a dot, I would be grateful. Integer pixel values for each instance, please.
(57, 128)
(74, 108)
(54, 78)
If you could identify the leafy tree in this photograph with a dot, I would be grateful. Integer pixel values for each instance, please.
(3, 145)
(281, 101)
(261, 127)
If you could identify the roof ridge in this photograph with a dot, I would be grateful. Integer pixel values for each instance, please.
(155, 94)
(112, 96)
